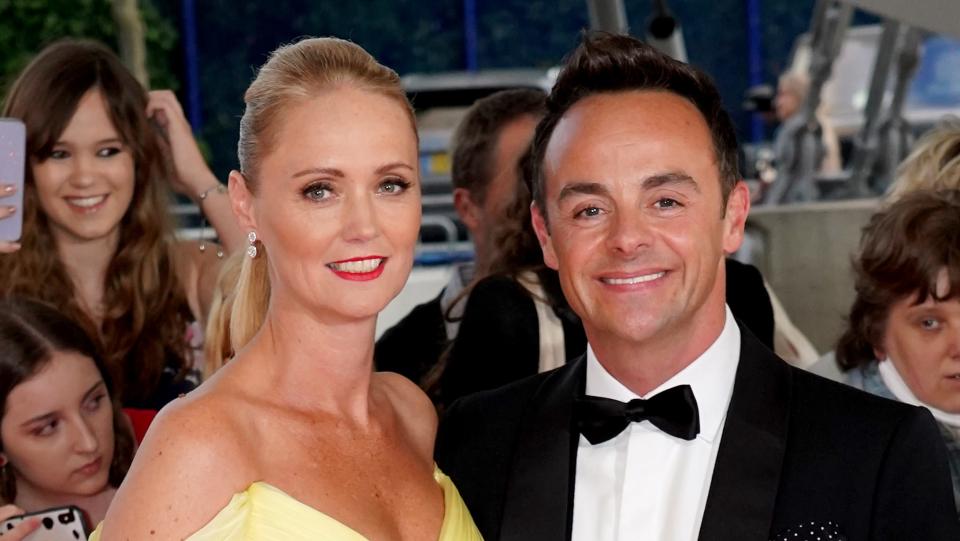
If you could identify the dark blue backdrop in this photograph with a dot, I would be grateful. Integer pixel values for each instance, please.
(428, 35)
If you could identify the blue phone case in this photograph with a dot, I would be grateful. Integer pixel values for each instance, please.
(12, 164)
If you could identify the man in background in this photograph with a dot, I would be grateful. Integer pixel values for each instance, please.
(487, 145)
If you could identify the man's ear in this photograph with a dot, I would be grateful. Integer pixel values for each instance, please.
(241, 200)
(543, 235)
(468, 210)
(735, 218)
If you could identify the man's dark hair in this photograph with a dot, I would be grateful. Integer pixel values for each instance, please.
(606, 63)
(476, 137)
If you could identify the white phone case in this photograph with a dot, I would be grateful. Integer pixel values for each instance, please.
(57, 524)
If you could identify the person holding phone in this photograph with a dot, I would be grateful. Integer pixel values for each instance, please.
(297, 437)
(12, 143)
(8, 212)
(20, 531)
(97, 240)
(63, 438)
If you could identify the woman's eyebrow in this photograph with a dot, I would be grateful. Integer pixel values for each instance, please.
(93, 388)
(38, 418)
(327, 171)
(393, 165)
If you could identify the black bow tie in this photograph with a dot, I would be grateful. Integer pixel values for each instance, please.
(673, 411)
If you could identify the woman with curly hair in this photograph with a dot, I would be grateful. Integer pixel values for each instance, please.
(97, 237)
(903, 337)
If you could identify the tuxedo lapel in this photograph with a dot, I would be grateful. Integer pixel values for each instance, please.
(746, 475)
(539, 495)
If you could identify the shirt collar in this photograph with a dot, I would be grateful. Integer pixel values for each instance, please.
(711, 375)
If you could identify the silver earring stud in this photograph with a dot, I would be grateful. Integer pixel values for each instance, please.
(252, 249)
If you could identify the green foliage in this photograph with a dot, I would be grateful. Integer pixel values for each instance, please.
(26, 26)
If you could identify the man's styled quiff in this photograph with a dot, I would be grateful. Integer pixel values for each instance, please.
(607, 63)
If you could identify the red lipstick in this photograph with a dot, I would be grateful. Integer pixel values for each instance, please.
(359, 269)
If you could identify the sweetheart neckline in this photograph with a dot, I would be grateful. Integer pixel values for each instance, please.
(271, 490)
(277, 491)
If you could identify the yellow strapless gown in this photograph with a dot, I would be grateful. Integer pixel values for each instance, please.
(264, 512)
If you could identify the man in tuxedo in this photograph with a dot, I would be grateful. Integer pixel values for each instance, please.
(677, 423)
(486, 147)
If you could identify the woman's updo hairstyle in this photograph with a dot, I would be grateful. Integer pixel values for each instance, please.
(294, 73)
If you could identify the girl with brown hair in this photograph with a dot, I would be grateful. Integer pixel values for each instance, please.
(98, 240)
(63, 438)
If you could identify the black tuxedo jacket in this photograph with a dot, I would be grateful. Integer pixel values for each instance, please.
(796, 449)
(412, 346)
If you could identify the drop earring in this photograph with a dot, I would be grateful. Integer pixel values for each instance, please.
(252, 240)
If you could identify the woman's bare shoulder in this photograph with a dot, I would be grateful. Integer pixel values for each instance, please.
(205, 416)
(414, 409)
(190, 464)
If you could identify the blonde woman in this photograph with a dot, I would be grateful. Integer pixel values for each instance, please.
(933, 164)
(297, 437)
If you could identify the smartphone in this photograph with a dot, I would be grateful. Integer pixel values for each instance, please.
(13, 142)
(57, 524)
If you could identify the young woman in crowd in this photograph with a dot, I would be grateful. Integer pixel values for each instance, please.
(63, 438)
(296, 437)
(97, 235)
(903, 339)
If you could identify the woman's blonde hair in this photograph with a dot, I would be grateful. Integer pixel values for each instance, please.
(216, 346)
(933, 164)
(294, 73)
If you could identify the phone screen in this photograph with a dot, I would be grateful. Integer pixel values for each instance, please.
(12, 163)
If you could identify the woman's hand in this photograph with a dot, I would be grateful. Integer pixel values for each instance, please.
(6, 211)
(21, 530)
(192, 175)
(193, 178)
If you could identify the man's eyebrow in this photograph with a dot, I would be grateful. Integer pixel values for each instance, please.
(583, 188)
(663, 179)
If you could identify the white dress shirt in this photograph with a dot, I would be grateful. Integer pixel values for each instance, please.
(645, 484)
